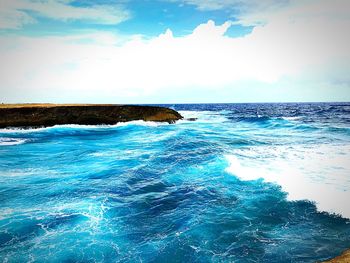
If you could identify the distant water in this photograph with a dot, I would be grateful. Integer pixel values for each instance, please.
(243, 183)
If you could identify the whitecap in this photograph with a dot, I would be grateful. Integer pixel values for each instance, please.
(79, 126)
(22, 130)
(203, 116)
(295, 118)
(106, 126)
(141, 123)
(11, 141)
(318, 174)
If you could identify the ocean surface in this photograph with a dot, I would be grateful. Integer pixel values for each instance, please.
(242, 183)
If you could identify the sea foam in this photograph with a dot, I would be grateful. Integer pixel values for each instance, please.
(305, 173)
(11, 141)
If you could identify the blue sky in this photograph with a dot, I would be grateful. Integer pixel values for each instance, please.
(174, 51)
(146, 17)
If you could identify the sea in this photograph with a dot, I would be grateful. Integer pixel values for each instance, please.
(242, 183)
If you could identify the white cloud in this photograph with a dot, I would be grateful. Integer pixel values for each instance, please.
(307, 57)
(237, 5)
(14, 13)
(13, 18)
(257, 12)
(240, 8)
(300, 11)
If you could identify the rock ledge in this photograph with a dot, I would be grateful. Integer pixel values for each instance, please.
(343, 258)
(39, 115)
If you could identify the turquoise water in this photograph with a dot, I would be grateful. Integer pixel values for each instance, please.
(243, 183)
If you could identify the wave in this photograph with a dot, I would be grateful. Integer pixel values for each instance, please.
(204, 116)
(294, 118)
(318, 174)
(254, 119)
(78, 126)
(11, 141)
(266, 120)
(23, 130)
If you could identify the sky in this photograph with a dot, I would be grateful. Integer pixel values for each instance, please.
(174, 51)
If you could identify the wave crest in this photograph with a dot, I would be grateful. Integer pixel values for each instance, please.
(315, 174)
(11, 141)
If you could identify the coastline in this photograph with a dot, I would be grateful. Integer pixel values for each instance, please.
(343, 258)
(44, 114)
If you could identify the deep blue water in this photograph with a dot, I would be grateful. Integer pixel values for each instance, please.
(243, 183)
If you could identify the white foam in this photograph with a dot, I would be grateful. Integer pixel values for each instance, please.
(11, 141)
(104, 126)
(203, 116)
(78, 126)
(21, 130)
(27, 172)
(320, 174)
(6, 212)
(140, 123)
(291, 118)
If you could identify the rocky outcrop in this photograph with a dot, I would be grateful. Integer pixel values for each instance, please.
(38, 115)
(343, 258)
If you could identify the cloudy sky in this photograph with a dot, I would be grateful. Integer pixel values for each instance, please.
(174, 51)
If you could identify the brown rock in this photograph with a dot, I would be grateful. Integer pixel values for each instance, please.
(343, 258)
(38, 115)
